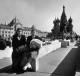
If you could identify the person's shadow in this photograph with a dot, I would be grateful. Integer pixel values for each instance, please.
(7, 69)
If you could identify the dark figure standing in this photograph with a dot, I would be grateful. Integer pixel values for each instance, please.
(18, 41)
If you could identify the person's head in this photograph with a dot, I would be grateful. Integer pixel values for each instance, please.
(19, 31)
(33, 32)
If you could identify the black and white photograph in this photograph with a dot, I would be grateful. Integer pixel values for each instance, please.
(39, 38)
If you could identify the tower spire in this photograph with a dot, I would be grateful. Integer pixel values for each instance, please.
(63, 8)
(63, 20)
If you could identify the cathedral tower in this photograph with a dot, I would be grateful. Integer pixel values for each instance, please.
(63, 21)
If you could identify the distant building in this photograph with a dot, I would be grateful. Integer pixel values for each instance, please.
(7, 30)
(62, 27)
(27, 32)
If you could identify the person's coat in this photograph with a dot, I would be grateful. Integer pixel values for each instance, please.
(16, 44)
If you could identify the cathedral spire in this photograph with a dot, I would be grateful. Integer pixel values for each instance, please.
(63, 20)
(70, 20)
(63, 16)
(63, 8)
(63, 11)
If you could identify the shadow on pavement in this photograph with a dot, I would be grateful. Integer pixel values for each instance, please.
(78, 60)
(7, 69)
(68, 66)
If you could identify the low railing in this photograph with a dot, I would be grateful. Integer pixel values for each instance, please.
(47, 48)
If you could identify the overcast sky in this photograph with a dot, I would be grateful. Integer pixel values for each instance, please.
(40, 13)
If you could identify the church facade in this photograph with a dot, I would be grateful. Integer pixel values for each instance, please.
(62, 26)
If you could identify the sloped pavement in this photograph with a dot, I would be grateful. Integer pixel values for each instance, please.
(48, 64)
(78, 60)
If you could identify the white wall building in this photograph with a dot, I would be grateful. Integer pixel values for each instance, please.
(7, 30)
